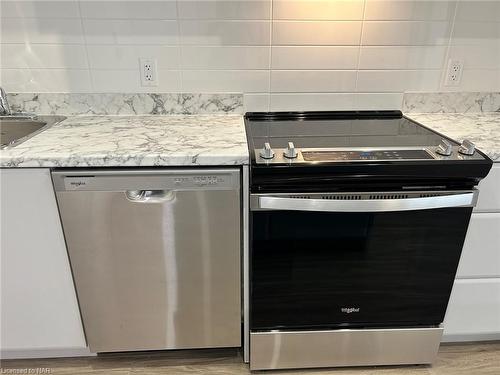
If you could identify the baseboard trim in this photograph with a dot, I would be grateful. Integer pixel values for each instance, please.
(470, 337)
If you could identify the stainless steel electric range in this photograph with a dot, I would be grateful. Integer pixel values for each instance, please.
(357, 222)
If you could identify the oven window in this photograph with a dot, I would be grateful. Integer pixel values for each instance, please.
(321, 270)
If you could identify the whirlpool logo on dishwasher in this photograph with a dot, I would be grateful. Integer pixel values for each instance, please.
(349, 310)
(76, 183)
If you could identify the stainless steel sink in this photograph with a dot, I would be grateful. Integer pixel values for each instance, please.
(17, 129)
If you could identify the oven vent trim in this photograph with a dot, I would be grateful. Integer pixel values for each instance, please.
(376, 196)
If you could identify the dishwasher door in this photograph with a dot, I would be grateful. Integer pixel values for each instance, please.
(155, 256)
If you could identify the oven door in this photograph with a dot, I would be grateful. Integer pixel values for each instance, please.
(322, 261)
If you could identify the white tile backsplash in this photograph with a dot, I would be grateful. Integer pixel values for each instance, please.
(134, 31)
(313, 80)
(478, 80)
(405, 33)
(282, 54)
(225, 9)
(316, 32)
(312, 102)
(225, 57)
(314, 57)
(120, 81)
(117, 57)
(256, 102)
(398, 80)
(39, 9)
(477, 57)
(216, 81)
(318, 10)
(144, 9)
(378, 101)
(402, 57)
(41, 30)
(478, 11)
(39, 56)
(411, 10)
(46, 80)
(484, 34)
(224, 32)
(476, 41)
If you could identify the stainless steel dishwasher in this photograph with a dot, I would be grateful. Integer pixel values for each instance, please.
(155, 256)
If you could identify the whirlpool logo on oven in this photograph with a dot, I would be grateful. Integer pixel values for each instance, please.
(349, 310)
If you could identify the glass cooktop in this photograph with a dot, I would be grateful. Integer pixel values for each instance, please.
(382, 129)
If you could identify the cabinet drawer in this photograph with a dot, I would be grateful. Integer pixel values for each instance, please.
(481, 252)
(489, 191)
(473, 310)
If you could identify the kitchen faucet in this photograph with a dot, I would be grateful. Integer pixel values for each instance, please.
(4, 104)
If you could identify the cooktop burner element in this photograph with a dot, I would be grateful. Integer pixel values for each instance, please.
(356, 144)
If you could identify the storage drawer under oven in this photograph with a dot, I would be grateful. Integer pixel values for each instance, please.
(355, 260)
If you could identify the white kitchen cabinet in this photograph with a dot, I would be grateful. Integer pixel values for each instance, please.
(481, 252)
(39, 309)
(474, 310)
(489, 191)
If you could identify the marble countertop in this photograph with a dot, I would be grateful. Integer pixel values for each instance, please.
(481, 128)
(191, 140)
(134, 141)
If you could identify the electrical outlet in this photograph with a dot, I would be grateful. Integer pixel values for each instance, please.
(454, 72)
(149, 75)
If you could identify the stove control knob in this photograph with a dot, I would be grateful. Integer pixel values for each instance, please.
(267, 152)
(290, 152)
(444, 148)
(467, 147)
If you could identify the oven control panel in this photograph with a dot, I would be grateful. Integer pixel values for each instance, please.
(366, 155)
(292, 155)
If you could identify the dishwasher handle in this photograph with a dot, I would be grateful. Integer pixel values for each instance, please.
(150, 196)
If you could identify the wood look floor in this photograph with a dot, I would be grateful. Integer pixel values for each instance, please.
(453, 359)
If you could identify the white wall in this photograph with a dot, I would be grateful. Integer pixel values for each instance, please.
(283, 54)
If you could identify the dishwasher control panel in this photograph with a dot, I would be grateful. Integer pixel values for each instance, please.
(204, 180)
(146, 180)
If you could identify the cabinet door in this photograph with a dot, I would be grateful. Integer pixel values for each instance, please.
(39, 309)
(473, 311)
(481, 252)
(489, 191)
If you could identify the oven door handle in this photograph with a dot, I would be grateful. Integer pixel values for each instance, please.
(467, 199)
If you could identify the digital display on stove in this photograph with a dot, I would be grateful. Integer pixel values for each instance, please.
(366, 155)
